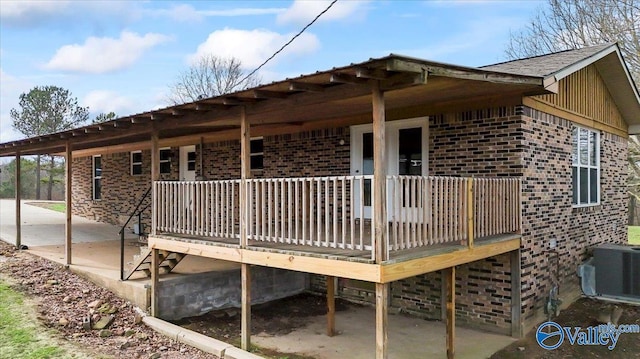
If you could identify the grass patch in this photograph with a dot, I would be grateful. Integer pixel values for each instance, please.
(54, 206)
(634, 235)
(21, 335)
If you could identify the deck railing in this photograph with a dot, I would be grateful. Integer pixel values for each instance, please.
(425, 211)
(317, 211)
(334, 212)
(201, 208)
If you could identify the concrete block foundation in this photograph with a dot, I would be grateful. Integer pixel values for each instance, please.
(197, 294)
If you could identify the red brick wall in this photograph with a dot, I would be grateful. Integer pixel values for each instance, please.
(121, 191)
(547, 210)
(539, 147)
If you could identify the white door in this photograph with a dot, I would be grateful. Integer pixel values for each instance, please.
(188, 163)
(407, 153)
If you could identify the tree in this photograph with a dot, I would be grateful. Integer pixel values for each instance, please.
(104, 117)
(572, 24)
(43, 110)
(210, 76)
(27, 179)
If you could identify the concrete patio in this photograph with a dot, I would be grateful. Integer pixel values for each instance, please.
(95, 255)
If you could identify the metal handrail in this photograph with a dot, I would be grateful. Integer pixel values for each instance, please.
(125, 226)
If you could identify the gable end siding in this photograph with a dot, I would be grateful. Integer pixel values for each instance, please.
(583, 98)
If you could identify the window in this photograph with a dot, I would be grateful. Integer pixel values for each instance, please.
(585, 166)
(191, 161)
(257, 153)
(136, 163)
(165, 160)
(97, 177)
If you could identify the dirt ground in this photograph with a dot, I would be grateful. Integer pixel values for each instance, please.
(583, 313)
(275, 318)
(64, 300)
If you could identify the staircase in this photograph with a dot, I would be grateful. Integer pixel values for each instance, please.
(142, 262)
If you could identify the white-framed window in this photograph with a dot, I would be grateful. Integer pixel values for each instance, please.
(165, 160)
(257, 153)
(585, 166)
(136, 163)
(97, 177)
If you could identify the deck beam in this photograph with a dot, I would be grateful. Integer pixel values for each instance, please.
(328, 265)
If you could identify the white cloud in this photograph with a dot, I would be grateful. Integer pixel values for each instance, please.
(10, 92)
(255, 46)
(105, 101)
(303, 11)
(14, 10)
(186, 12)
(64, 13)
(104, 54)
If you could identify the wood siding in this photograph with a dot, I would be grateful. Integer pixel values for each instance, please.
(584, 98)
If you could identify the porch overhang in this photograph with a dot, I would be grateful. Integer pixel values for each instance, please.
(340, 96)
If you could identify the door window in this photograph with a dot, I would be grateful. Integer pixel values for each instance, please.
(410, 151)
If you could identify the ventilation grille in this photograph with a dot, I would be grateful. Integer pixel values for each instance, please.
(617, 271)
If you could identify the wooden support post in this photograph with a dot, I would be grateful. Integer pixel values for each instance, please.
(516, 295)
(379, 174)
(382, 303)
(18, 197)
(444, 294)
(470, 211)
(245, 173)
(155, 267)
(245, 331)
(67, 229)
(331, 306)
(450, 277)
(155, 176)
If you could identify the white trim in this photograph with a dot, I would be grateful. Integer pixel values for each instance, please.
(185, 173)
(588, 166)
(392, 129)
(566, 71)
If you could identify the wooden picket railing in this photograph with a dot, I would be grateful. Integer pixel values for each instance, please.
(425, 211)
(317, 211)
(200, 208)
(333, 212)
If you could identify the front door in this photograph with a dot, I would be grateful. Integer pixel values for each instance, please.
(406, 155)
(188, 163)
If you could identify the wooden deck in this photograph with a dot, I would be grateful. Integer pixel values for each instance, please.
(339, 262)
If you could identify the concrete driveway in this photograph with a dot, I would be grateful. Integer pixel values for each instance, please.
(43, 227)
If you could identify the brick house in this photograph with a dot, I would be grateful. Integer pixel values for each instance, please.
(486, 173)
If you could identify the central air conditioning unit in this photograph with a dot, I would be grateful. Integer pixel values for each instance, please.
(617, 271)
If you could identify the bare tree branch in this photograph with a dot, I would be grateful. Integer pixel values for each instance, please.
(210, 76)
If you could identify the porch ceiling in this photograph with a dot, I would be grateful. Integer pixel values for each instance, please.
(339, 96)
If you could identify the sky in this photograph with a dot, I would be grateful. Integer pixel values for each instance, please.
(122, 56)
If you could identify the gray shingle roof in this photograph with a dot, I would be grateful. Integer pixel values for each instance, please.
(545, 65)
